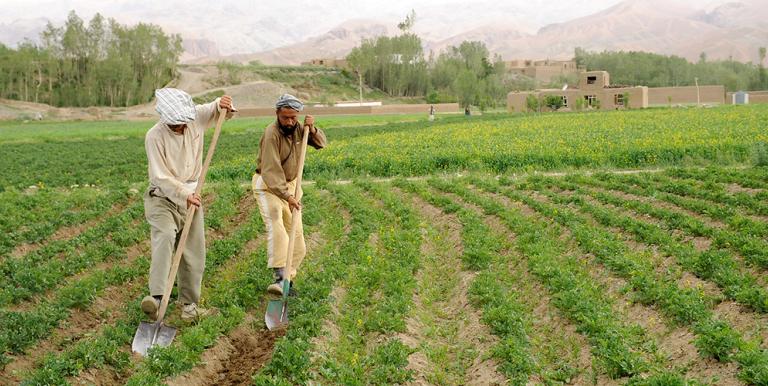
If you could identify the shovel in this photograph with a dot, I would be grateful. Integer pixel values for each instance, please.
(157, 333)
(277, 309)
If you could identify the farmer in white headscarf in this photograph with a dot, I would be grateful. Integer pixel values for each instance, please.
(175, 160)
(275, 182)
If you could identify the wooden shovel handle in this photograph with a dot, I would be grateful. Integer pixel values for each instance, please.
(190, 216)
(295, 213)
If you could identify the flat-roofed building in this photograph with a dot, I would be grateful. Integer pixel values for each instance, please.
(327, 62)
(542, 71)
(594, 90)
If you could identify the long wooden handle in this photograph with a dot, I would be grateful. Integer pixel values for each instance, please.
(296, 214)
(188, 221)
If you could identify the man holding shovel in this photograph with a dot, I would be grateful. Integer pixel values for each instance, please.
(274, 185)
(175, 158)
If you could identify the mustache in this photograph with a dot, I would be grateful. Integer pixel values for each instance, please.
(287, 128)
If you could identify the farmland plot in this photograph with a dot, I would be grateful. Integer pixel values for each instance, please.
(652, 278)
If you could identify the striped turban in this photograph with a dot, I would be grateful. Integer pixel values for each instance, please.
(175, 106)
(290, 101)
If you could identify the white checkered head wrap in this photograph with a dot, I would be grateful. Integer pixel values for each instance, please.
(175, 106)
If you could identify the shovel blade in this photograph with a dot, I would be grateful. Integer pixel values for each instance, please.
(152, 334)
(277, 314)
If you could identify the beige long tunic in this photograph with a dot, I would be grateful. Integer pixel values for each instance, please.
(278, 161)
(175, 161)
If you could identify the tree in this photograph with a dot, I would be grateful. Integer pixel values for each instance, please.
(406, 25)
(357, 61)
(554, 102)
(103, 63)
(467, 88)
(480, 74)
(231, 73)
(579, 104)
(466, 72)
(394, 65)
(532, 103)
(653, 70)
(762, 76)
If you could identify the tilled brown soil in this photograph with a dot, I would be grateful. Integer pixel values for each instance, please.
(234, 359)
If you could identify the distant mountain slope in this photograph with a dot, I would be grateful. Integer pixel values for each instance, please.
(335, 43)
(734, 29)
(654, 26)
(245, 31)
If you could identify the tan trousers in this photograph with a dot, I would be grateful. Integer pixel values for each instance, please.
(278, 221)
(166, 221)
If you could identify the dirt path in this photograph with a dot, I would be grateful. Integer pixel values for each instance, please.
(106, 375)
(676, 343)
(700, 243)
(236, 357)
(442, 318)
(664, 264)
(555, 340)
(68, 232)
(81, 323)
(513, 176)
(330, 331)
(323, 344)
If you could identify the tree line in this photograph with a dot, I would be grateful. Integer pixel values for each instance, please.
(654, 70)
(103, 63)
(466, 73)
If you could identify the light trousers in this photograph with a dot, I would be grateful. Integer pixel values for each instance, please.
(166, 221)
(278, 221)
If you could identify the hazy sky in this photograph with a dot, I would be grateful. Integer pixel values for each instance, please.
(15, 9)
(545, 11)
(266, 24)
(542, 11)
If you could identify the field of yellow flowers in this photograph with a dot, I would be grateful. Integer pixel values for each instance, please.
(555, 141)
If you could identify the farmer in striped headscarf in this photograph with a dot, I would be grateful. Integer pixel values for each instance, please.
(175, 160)
(275, 182)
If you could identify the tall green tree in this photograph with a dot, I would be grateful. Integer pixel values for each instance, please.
(408, 23)
(98, 63)
(762, 76)
(394, 65)
(467, 88)
(654, 70)
(468, 72)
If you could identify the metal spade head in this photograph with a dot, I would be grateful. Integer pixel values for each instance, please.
(151, 334)
(277, 310)
(277, 314)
